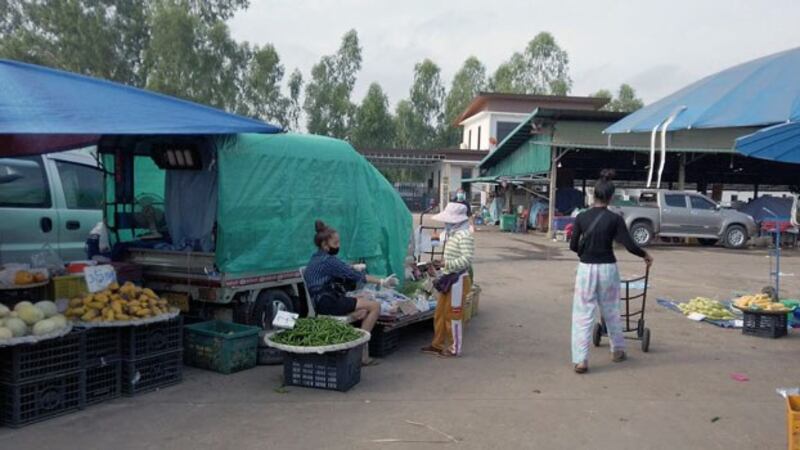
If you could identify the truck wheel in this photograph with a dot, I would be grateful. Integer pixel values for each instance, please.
(642, 233)
(708, 242)
(267, 305)
(735, 237)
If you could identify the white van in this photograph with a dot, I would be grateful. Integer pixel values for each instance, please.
(53, 200)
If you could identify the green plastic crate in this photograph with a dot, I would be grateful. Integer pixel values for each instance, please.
(223, 347)
(508, 222)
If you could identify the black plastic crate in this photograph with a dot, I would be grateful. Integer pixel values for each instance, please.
(103, 383)
(34, 401)
(764, 325)
(384, 342)
(103, 346)
(151, 373)
(28, 362)
(337, 371)
(152, 339)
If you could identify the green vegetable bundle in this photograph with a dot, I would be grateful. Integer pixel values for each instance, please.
(410, 288)
(317, 332)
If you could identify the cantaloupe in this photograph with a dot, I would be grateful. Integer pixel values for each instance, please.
(4, 311)
(48, 308)
(43, 327)
(59, 320)
(5, 333)
(30, 314)
(17, 326)
(22, 304)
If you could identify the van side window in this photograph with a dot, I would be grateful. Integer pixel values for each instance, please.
(83, 185)
(23, 183)
(675, 200)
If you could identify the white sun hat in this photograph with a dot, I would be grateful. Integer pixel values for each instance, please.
(453, 213)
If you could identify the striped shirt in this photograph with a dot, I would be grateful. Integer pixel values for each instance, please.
(324, 268)
(459, 251)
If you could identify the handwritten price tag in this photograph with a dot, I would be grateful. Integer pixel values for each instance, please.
(99, 277)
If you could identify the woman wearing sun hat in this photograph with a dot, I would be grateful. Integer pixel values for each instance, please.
(454, 286)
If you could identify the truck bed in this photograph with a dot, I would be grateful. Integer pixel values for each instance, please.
(177, 265)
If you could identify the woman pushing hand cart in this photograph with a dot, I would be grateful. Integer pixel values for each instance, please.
(597, 283)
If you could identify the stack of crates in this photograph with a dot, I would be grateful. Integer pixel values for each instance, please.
(42, 380)
(103, 364)
(152, 356)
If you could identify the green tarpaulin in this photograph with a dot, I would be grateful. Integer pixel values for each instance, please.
(272, 188)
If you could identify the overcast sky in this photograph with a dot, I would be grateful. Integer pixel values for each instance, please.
(657, 47)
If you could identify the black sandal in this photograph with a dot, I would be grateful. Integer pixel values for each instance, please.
(579, 369)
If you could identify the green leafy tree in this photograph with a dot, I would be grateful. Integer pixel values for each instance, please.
(419, 120)
(467, 83)
(102, 38)
(626, 100)
(604, 93)
(374, 127)
(194, 60)
(293, 107)
(262, 86)
(543, 68)
(408, 126)
(328, 108)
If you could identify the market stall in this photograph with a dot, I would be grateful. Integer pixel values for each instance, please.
(199, 206)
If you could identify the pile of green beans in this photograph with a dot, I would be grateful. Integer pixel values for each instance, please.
(316, 332)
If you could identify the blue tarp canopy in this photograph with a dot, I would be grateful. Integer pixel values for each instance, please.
(769, 208)
(43, 109)
(762, 92)
(779, 143)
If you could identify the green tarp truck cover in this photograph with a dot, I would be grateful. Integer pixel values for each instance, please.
(273, 187)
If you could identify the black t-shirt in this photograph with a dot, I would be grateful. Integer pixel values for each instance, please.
(599, 245)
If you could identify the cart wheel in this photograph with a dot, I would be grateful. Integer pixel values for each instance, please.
(597, 334)
(640, 328)
(646, 340)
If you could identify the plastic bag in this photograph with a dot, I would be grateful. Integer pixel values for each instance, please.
(48, 259)
(787, 392)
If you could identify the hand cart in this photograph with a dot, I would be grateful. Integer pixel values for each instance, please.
(437, 251)
(632, 320)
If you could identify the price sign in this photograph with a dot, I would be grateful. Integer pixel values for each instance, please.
(99, 277)
(285, 320)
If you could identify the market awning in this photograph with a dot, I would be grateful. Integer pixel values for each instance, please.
(779, 143)
(480, 180)
(44, 110)
(758, 93)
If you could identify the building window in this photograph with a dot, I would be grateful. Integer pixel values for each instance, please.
(479, 139)
(469, 139)
(504, 129)
(466, 173)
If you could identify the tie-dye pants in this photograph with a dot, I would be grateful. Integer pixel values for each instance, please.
(595, 285)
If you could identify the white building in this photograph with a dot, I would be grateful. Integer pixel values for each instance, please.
(490, 117)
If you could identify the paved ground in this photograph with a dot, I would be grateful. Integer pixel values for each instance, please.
(514, 388)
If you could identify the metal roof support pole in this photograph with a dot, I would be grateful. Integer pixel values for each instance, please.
(682, 173)
(555, 156)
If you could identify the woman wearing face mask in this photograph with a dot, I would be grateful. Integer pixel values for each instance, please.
(328, 279)
(461, 197)
(454, 286)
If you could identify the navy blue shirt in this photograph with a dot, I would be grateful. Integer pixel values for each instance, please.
(324, 268)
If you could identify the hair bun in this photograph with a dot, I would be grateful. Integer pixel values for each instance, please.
(320, 226)
(608, 174)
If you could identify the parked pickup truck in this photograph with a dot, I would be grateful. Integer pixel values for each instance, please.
(682, 214)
